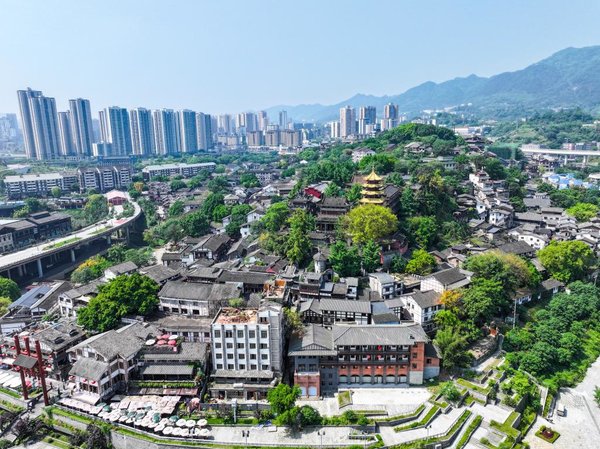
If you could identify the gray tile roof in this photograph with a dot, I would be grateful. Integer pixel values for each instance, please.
(425, 299)
(518, 248)
(187, 351)
(385, 334)
(167, 370)
(345, 305)
(316, 340)
(159, 273)
(450, 276)
(122, 268)
(89, 368)
(198, 291)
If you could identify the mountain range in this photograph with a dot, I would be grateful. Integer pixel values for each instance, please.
(568, 78)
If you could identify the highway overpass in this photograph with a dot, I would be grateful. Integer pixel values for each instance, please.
(20, 263)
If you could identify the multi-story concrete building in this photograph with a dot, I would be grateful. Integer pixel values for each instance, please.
(188, 131)
(18, 186)
(105, 178)
(81, 126)
(247, 351)
(40, 125)
(185, 170)
(119, 131)
(67, 145)
(204, 132)
(166, 134)
(142, 131)
(346, 355)
(367, 115)
(347, 122)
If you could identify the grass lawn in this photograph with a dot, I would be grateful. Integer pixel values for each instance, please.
(469, 432)
(344, 398)
(547, 434)
(61, 244)
(423, 422)
(474, 387)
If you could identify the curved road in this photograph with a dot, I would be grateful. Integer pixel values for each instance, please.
(85, 235)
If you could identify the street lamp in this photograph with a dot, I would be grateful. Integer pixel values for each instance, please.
(321, 433)
(245, 435)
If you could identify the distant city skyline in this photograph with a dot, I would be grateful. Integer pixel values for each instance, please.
(236, 56)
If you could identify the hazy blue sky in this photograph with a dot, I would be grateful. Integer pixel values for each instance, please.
(228, 56)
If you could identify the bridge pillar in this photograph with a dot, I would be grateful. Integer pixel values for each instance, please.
(20, 270)
(8, 274)
(40, 268)
(73, 258)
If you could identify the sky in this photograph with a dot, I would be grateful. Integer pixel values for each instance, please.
(232, 56)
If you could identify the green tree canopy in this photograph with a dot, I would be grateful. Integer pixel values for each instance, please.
(283, 398)
(370, 222)
(371, 256)
(9, 288)
(423, 230)
(96, 208)
(344, 260)
(583, 211)
(124, 295)
(484, 299)
(275, 217)
(567, 261)
(510, 270)
(420, 263)
(298, 244)
(176, 209)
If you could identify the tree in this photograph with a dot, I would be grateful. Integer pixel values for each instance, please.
(89, 270)
(4, 303)
(249, 180)
(116, 253)
(568, 260)
(275, 217)
(195, 224)
(420, 263)
(177, 184)
(398, 264)
(494, 168)
(9, 288)
(510, 270)
(218, 184)
(96, 208)
(371, 256)
(370, 222)
(597, 396)
(582, 211)
(354, 193)
(56, 192)
(449, 391)
(451, 299)
(332, 190)
(283, 398)
(298, 245)
(344, 260)
(123, 295)
(423, 230)
(176, 209)
(453, 348)
(32, 205)
(484, 299)
(293, 322)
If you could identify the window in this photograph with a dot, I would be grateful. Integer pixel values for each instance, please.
(265, 367)
(252, 356)
(240, 334)
(252, 366)
(219, 366)
(240, 345)
(251, 334)
(428, 361)
(263, 334)
(217, 334)
(229, 366)
(264, 356)
(263, 346)
(229, 345)
(228, 334)
(241, 356)
(414, 365)
(414, 355)
(242, 366)
(252, 345)
(217, 345)
(230, 356)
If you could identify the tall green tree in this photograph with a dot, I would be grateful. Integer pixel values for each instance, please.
(96, 208)
(370, 222)
(298, 245)
(371, 256)
(9, 288)
(344, 260)
(567, 261)
(421, 263)
(453, 348)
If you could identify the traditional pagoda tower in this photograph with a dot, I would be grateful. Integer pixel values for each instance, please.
(372, 191)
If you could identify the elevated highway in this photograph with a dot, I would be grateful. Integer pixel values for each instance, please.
(20, 263)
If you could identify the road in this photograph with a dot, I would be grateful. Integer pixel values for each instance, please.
(27, 255)
(580, 428)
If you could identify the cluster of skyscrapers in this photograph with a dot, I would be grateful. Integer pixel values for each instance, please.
(49, 134)
(366, 124)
